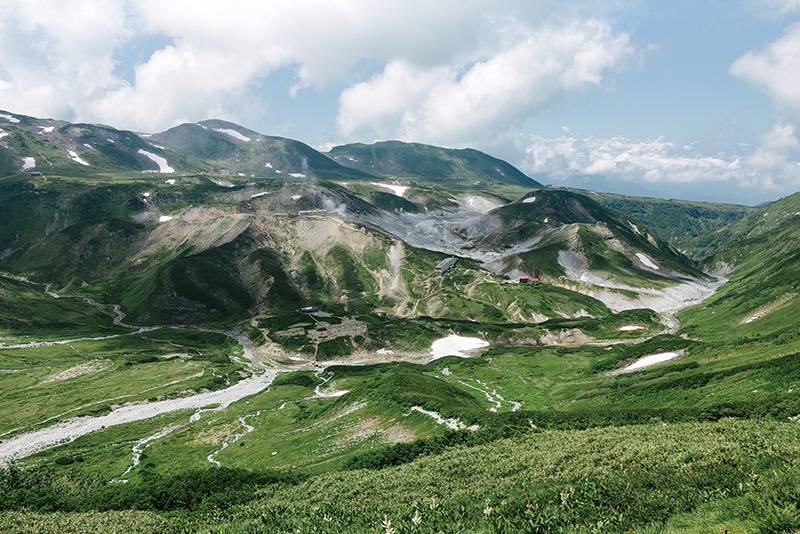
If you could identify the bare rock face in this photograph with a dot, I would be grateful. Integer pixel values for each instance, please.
(564, 337)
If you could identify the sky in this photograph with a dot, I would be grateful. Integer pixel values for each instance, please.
(681, 99)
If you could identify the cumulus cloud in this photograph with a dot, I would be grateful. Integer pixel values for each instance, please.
(774, 70)
(658, 162)
(439, 63)
(462, 102)
(57, 56)
(651, 161)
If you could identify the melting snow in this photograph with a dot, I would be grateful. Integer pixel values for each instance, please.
(452, 423)
(47, 129)
(29, 163)
(296, 197)
(161, 162)
(268, 165)
(3, 134)
(651, 360)
(232, 133)
(547, 220)
(165, 218)
(9, 118)
(453, 345)
(145, 195)
(385, 351)
(297, 175)
(647, 261)
(76, 158)
(171, 181)
(529, 200)
(259, 194)
(398, 190)
(631, 328)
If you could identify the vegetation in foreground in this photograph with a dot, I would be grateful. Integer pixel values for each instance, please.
(738, 476)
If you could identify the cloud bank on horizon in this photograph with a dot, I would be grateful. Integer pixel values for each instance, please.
(503, 76)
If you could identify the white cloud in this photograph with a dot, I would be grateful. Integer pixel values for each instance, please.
(58, 59)
(57, 56)
(478, 97)
(648, 161)
(660, 162)
(775, 71)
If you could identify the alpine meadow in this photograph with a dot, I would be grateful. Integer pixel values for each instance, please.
(213, 330)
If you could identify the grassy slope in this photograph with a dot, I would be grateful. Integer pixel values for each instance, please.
(676, 221)
(457, 169)
(685, 476)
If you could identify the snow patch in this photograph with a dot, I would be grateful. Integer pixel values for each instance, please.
(385, 351)
(268, 165)
(3, 134)
(9, 118)
(47, 129)
(297, 175)
(454, 345)
(165, 218)
(296, 197)
(452, 423)
(171, 181)
(547, 220)
(29, 163)
(647, 261)
(529, 200)
(76, 158)
(481, 204)
(653, 359)
(163, 167)
(398, 190)
(631, 328)
(232, 133)
(259, 194)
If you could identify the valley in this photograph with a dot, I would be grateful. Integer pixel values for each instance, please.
(265, 340)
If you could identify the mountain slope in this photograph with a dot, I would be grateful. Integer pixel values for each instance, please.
(679, 222)
(465, 169)
(57, 147)
(228, 147)
(760, 255)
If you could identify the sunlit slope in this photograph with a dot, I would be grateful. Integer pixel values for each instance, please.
(190, 250)
(761, 256)
(460, 169)
(678, 222)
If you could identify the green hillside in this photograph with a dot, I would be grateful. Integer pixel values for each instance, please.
(259, 341)
(466, 169)
(678, 222)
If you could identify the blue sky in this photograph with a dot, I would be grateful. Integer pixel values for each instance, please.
(679, 99)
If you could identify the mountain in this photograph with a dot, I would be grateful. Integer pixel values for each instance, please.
(760, 257)
(465, 169)
(219, 346)
(676, 221)
(213, 146)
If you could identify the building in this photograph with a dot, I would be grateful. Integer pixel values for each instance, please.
(445, 265)
(528, 280)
